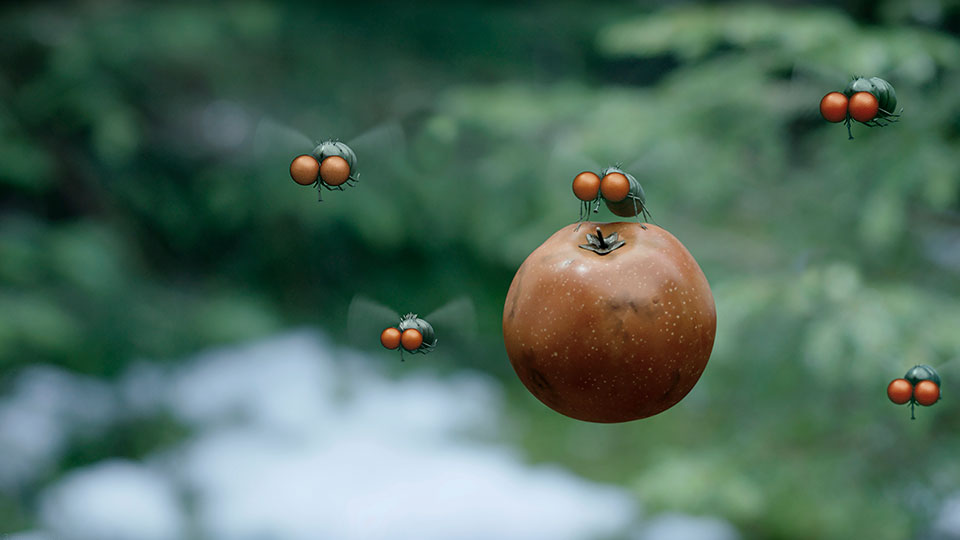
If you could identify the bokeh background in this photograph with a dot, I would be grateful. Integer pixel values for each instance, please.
(174, 360)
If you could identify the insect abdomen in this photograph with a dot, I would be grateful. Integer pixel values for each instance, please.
(885, 94)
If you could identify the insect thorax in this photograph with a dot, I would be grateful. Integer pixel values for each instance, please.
(410, 320)
(336, 148)
(636, 190)
(922, 373)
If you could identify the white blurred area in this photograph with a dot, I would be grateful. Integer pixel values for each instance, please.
(946, 526)
(293, 439)
(682, 527)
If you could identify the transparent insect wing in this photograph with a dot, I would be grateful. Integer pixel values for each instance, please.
(455, 320)
(566, 161)
(379, 152)
(643, 166)
(276, 144)
(366, 319)
(950, 364)
(808, 84)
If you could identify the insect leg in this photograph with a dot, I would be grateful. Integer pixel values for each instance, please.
(638, 211)
(647, 215)
(889, 119)
(878, 122)
(888, 114)
(849, 132)
(584, 210)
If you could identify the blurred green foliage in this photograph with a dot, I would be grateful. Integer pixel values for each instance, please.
(136, 221)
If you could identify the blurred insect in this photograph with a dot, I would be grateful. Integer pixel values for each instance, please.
(619, 189)
(872, 102)
(919, 386)
(329, 164)
(410, 333)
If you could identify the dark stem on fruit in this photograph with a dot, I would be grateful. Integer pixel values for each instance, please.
(600, 245)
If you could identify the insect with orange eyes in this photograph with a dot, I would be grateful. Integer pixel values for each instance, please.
(919, 386)
(330, 164)
(618, 189)
(410, 333)
(872, 102)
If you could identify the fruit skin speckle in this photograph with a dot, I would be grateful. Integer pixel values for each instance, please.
(610, 338)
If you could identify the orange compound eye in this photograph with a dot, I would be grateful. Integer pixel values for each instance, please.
(304, 169)
(833, 107)
(586, 186)
(334, 170)
(926, 393)
(411, 339)
(864, 106)
(615, 187)
(390, 338)
(899, 391)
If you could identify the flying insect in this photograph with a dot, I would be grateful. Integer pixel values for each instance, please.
(330, 164)
(919, 386)
(413, 334)
(870, 101)
(410, 333)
